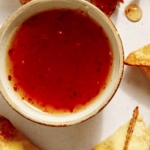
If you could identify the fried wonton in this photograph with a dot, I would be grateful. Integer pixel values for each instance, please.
(134, 135)
(146, 71)
(11, 138)
(140, 58)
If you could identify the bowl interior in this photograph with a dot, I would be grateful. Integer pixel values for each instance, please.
(28, 110)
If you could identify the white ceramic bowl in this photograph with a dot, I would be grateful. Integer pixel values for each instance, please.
(30, 111)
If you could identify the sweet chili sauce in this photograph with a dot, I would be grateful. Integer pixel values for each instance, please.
(107, 6)
(24, 1)
(59, 60)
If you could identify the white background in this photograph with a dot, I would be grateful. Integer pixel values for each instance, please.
(134, 91)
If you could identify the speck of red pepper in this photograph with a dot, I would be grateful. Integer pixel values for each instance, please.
(29, 99)
(98, 69)
(9, 77)
(74, 93)
(10, 52)
(15, 87)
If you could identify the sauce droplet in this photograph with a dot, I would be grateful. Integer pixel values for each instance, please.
(133, 12)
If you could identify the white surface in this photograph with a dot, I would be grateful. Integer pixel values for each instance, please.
(134, 91)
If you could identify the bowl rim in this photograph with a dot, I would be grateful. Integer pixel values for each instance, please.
(121, 66)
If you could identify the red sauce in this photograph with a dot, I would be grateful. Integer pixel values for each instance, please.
(121, 1)
(59, 59)
(107, 6)
(24, 1)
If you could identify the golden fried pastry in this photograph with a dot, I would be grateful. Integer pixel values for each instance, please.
(134, 135)
(140, 58)
(11, 138)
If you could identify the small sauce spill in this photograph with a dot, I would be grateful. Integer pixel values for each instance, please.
(133, 12)
(107, 6)
(24, 1)
(121, 1)
(59, 66)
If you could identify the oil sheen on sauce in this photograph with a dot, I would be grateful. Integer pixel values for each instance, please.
(59, 60)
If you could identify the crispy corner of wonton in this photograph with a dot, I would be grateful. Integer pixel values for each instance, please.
(140, 58)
